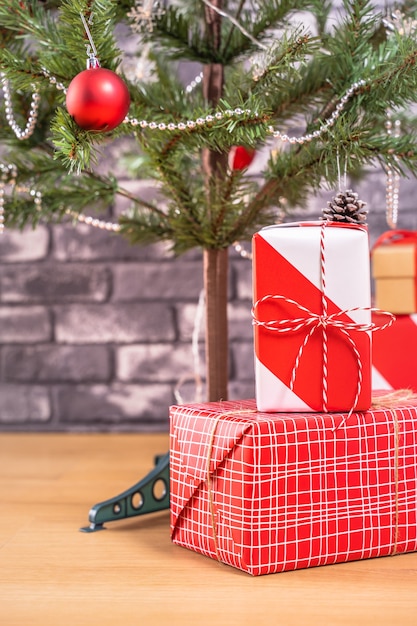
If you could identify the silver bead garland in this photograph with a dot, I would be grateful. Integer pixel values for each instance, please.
(8, 175)
(161, 126)
(230, 114)
(238, 112)
(91, 221)
(194, 83)
(245, 254)
(54, 81)
(392, 185)
(328, 124)
(33, 111)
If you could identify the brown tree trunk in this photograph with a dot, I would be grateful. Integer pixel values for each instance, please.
(215, 260)
(217, 346)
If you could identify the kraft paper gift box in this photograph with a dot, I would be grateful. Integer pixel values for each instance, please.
(394, 354)
(269, 492)
(303, 274)
(394, 262)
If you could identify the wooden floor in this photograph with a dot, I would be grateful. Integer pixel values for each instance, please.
(130, 574)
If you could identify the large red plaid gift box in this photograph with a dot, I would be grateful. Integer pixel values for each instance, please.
(269, 492)
(394, 354)
(394, 268)
(311, 317)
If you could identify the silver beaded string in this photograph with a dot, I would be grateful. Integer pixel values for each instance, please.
(196, 376)
(392, 185)
(238, 112)
(194, 83)
(33, 111)
(8, 175)
(328, 124)
(35, 194)
(180, 126)
(91, 221)
(53, 80)
(230, 114)
(245, 254)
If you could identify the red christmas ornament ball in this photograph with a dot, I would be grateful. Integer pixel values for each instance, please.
(240, 157)
(97, 99)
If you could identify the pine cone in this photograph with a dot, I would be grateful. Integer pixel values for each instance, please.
(347, 208)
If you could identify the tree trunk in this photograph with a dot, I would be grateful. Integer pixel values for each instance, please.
(217, 346)
(215, 260)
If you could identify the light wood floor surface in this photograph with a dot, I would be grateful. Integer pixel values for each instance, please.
(130, 574)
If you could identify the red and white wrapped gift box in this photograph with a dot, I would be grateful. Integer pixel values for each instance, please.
(299, 269)
(394, 354)
(269, 492)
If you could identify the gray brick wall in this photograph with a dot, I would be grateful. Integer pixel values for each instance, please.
(93, 332)
(96, 334)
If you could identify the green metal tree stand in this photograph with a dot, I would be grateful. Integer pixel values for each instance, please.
(149, 495)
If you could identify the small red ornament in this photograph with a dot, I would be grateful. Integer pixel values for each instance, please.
(98, 99)
(240, 157)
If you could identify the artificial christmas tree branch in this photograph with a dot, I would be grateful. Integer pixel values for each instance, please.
(308, 94)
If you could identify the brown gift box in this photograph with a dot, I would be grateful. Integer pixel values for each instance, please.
(394, 261)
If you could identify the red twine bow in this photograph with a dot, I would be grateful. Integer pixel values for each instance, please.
(313, 322)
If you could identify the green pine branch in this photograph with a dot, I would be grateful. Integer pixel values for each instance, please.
(294, 86)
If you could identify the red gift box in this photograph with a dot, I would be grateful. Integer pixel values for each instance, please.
(311, 317)
(269, 492)
(394, 354)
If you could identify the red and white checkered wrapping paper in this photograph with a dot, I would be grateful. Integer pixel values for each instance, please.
(290, 491)
(290, 266)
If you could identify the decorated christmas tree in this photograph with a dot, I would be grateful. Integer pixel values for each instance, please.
(309, 85)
